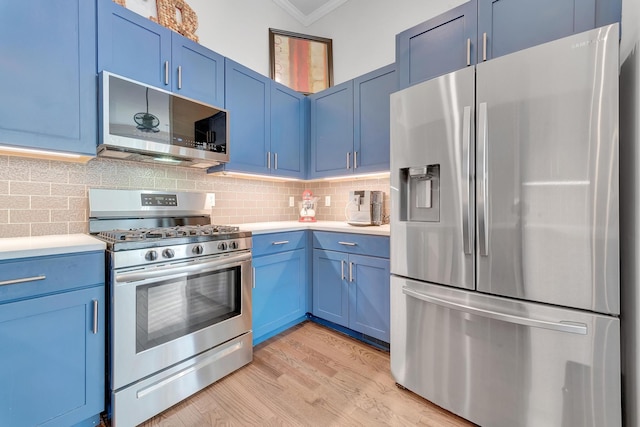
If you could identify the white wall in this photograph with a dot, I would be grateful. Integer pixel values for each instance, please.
(630, 208)
(363, 31)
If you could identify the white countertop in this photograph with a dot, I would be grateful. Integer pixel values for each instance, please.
(339, 226)
(24, 247)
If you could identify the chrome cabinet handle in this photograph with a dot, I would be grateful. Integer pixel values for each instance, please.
(355, 160)
(342, 269)
(349, 160)
(468, 51)
(281, 242)
(483, 203)
(467, 189)
(95, 316)
(23, 280)
(166, 72)
(268, 159)
(484, 46)
(348, 243)
(562, 326)
(275, 160)
(179, 76)
(253, 277)
(351, 271)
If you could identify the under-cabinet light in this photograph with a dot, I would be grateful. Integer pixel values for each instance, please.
(43, 154)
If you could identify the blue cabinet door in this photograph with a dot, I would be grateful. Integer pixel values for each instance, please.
(53, 364)
(371, 112)
(133, 46)
(198, 72)
(248, 99)
(332, 131)
(438, 46)
(279, 295)
(369, 296)
(48, 84)
(288, 131)
(330, 286)
(512, 25)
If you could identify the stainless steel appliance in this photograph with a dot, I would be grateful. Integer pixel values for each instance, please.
(504, 237)
(365, 207)
(143, 123)
(179, 298)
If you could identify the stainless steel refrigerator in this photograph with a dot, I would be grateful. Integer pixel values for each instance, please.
(505, 293)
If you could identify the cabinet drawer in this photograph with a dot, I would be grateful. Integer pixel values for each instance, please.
(29, 277)
(361, 244)
(264, 244)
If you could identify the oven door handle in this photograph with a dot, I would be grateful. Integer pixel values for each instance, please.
(177, 270)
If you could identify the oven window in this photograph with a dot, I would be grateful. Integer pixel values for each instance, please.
(174, 308)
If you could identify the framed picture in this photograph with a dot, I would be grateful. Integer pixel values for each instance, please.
(303, 63)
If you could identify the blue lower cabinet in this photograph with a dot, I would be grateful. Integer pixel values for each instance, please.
(53, 359)
(352, 291)
(279, 297)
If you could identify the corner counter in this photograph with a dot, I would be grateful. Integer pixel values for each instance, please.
(337, 226)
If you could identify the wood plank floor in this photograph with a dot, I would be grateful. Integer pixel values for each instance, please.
(308, 376)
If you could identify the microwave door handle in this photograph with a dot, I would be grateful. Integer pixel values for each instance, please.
(466, 181)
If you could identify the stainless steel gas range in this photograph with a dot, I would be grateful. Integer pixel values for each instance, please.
(179, 298)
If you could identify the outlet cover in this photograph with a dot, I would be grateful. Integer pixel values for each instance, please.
(211, 199)
(327, 200)
(291, 202)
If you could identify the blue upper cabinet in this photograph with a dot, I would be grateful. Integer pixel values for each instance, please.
(350, 125)
(267, 125)
(506, 26)
(332, 131)
(289, 116)
(483, 29)
(438, 46)
(48, 84)
(371, 112)
(248, 97)
(132, 46)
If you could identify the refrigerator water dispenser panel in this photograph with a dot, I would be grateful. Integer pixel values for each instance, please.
(420, 192)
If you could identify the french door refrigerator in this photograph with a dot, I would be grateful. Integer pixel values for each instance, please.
(504, 237)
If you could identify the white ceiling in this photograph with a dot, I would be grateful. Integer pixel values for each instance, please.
(309, 11)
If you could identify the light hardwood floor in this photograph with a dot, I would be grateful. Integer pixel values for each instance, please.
(308, 376)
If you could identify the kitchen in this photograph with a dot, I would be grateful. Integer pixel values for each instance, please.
(48, 197)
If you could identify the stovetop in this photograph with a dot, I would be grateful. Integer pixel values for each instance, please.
(140, 238)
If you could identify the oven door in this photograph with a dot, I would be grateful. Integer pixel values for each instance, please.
(165, 314)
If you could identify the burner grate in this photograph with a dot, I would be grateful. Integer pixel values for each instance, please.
(140, 234)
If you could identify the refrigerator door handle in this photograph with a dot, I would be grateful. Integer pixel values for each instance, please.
(483, 203)
(466, 179)
(562, 326)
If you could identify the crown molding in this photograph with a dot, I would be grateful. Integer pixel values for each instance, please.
(307, 20)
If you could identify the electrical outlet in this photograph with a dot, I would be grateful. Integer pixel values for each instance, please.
(211, 199)
(291, 202)
(327, 200)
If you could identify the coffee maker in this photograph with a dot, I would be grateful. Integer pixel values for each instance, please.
(365, 207)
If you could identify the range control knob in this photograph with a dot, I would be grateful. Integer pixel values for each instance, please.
(233, 245)
(197, 249)
(222, 246)
(151, 256)
(168, 253)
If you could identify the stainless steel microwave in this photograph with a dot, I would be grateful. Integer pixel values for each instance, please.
(143, 123)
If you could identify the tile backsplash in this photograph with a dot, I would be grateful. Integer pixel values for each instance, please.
(42, 197)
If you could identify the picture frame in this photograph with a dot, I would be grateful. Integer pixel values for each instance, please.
(301, 62)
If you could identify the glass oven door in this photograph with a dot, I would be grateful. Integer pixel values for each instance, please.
(168, 313)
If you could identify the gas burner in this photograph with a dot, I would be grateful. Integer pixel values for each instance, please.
(142, 234)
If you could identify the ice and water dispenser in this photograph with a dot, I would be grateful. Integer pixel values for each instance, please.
(420, 193)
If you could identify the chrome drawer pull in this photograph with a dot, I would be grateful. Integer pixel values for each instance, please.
(282, 242)
(23, 280)
(348, 243)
